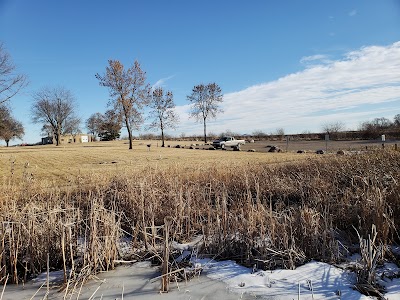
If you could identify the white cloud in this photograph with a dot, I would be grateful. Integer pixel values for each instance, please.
(315, 59)
(352, 13)
(341, 90)
(161, 82)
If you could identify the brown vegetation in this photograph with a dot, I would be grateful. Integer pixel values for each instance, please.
(279, 215)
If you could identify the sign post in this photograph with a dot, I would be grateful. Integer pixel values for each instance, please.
(287, 142)
(326, 142)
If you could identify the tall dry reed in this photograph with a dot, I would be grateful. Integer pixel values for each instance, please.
(276, 215)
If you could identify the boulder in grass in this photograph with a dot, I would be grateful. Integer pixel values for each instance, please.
(274, 149)
(320, 151)
(177, 146)
(301, 151)
(341, 152)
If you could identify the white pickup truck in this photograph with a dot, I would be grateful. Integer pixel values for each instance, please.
(228, 141)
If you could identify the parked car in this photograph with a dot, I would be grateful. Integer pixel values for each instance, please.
(228, 141)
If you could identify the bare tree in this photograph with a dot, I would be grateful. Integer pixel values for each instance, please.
(54, 107)
(93, 124)
(333, 128)
(72, 127)
(128, 91)
(10, 128)
(280, 132)
(162, 111)
(396, 120)
(47, 130)
(10, 81)
(259, 134)
(205, 100)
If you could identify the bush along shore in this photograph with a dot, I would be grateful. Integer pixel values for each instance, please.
(271, 216)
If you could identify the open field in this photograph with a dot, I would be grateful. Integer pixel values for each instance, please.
(73, 205)
(62, 163)
(311, 146)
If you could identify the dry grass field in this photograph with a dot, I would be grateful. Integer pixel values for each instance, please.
(63, 163)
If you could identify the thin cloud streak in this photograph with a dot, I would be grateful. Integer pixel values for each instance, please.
(340, 90)
(352, 13)
(161, 82)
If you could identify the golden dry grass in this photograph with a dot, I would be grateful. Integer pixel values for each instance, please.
(60, 164)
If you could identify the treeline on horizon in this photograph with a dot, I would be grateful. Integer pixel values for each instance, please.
(368, 130)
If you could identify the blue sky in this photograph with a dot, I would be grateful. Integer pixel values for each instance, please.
(281, 64)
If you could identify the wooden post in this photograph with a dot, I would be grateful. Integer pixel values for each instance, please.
(164, 277)
(395, 147)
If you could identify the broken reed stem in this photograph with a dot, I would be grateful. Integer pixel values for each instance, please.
(63, 255)
(48, 273)
(37, 291)
(4, 287)
(91, 297)
(165, 275)
(71, 251)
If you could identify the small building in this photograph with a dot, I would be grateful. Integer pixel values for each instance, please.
(68, 139)
(47, 140)
(77, 138)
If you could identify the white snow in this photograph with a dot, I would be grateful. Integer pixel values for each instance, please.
(224, 280)
(314, 280)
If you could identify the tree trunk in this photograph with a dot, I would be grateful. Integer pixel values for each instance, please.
(58, 133)
(205, 131)
(129, 133)
(7, 141)
(162, 134)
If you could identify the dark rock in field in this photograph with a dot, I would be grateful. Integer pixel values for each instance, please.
(341, 152)
(320, 152)
(301, 151)
(274, 149)
(197, 148)
(177, 146)
(251, 150)
(191, 147)
(169, 146)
